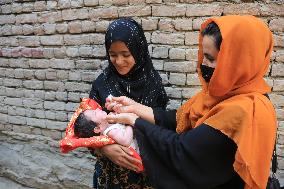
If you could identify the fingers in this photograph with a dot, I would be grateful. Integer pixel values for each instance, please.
(119, 99)
(120, 104)
(123, 100)
(111, 102)
(124, 109)
(127, 162)
(117, 118)
(110, 105)
(109, 98)
(117, 154)
(111, 118)
(130, 156)
(124, 118)
(119, 108)
(108, 150)
(127, 150)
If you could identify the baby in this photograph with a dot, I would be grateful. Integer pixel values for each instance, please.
(93, 123)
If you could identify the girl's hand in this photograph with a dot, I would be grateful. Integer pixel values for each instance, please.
(121, 156)
(123, 118)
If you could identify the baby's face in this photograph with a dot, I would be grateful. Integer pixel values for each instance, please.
(98, 116)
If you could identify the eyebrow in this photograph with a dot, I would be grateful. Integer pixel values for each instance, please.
(119, 51)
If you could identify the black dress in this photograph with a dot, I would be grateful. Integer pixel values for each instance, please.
(200, 158)
(142, 83)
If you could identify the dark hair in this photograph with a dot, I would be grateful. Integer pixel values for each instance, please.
(213, 30)
(84, 128)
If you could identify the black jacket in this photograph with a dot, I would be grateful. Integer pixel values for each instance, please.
(201, 158)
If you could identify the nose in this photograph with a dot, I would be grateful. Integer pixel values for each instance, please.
(119, 60)
(205, 62)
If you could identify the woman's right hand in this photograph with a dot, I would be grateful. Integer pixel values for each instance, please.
(124, 104)
(121, 104)
(121, 156)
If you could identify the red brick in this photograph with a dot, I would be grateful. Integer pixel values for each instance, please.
(37, 53)
(26, 52)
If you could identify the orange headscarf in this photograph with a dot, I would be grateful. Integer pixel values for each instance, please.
(233, 101)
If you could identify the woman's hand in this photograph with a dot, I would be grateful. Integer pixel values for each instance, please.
(121, 104)
(121, 156)
(124, 104)
(123, 118)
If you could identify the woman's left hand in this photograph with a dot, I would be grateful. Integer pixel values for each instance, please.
(123, 118)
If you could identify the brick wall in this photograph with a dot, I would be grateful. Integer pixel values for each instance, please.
(51, 51)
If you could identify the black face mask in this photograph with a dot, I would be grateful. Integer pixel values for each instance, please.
(207, 72)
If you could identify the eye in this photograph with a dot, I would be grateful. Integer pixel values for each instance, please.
(211, 59)
(126, 55)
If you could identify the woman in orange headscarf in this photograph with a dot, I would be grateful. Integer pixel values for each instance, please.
(223, 137)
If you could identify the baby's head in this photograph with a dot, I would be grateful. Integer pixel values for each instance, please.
(90, 123)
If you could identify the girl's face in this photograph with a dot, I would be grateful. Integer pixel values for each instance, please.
(210, 52)
(98, 116)
(121, 57)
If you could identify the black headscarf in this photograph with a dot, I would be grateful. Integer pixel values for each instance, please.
(143, 83)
